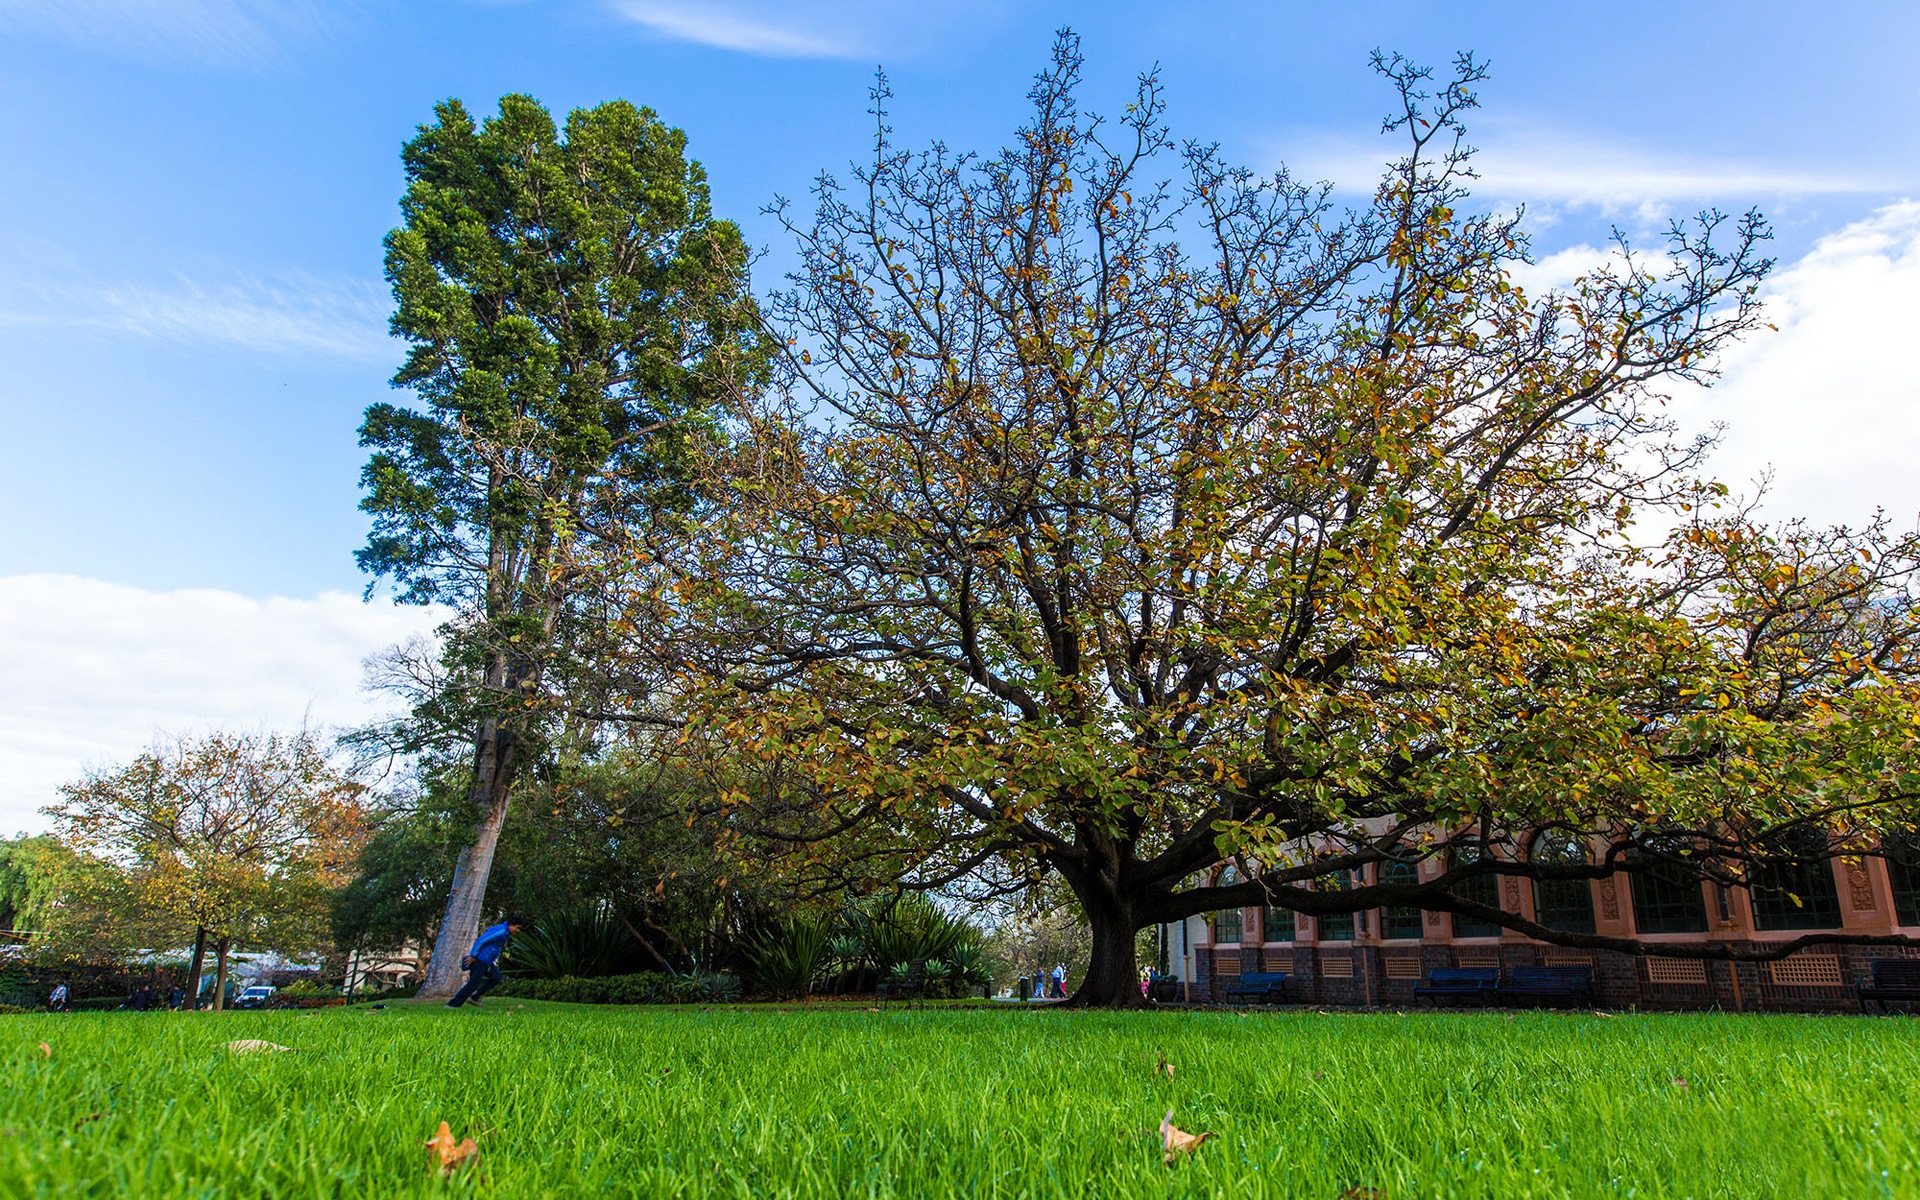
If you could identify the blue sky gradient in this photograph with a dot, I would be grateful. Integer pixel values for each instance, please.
(190, 293)
(192, 316)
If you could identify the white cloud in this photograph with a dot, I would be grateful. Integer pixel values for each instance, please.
(1831, 403)
(209, 31)
(296, 315)
(1531, 164)
(91, 672)
(777, 31)
(859, 29)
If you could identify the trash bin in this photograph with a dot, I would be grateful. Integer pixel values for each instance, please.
(1026, 988)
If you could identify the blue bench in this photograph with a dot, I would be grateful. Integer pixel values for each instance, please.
(1265, 987)
(1456, 983)
(1895, 980)
(1574, 985)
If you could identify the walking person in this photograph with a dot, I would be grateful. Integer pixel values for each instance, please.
(1059, 981)
(482, 963)
(57, 1002)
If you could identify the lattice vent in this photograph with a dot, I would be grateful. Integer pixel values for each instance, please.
(1813, 970)
(1280, 962)
(1567, 960)
(1477, 958)
(1676, 970)
(1402, 968)
(1340, 967)
(1226, 962)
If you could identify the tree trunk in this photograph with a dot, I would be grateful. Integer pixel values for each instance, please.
(1113, 975)
(193, 972)
(493, 770)
(220, 973)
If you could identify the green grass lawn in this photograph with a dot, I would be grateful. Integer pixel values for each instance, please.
(827, 1101)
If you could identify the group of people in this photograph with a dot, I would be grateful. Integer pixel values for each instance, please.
(1050, 985)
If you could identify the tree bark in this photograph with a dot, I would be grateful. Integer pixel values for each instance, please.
(193, 972)
(494, 767)
(1113, 974)
(220, 974)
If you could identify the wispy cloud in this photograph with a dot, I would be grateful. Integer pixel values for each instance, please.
(857, 29)
(295, 315)
(1528, 163)
(784, 31)
(217, 32)
(300, 316)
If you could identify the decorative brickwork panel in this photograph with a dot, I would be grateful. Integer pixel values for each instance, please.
(1859, 886)
(1402, 967)
(1336, 966)
(1610, 899)
(1807, 970)
(1676, 970)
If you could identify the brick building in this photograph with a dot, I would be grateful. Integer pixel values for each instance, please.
(1375, 957)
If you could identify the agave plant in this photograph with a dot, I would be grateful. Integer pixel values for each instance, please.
(584, 944)
(968, 958)
(785, 959)
(909, 929)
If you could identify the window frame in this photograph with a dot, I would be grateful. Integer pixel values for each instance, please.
(1546, 904)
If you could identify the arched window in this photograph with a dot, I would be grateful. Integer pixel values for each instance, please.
(1399, 923)
(1666, 892)
(1564, 904)
(1335, 927)
(1226, 922)
(1800, 894)
(1481, 889)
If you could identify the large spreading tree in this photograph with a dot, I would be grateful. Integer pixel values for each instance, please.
(575, 312)
(1120, 530)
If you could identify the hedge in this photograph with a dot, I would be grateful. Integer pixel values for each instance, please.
(647, 987)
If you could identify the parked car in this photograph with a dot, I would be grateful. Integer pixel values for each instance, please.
(255, 996)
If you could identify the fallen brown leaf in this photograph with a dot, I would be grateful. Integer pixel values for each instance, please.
(1363, 1193)
(1164, 1068)
(256, 1046)
(89, 1119)
(1598, 1013)
(452, 1154)
(1679, 1082)
(1178, 1141)
(46, 1051)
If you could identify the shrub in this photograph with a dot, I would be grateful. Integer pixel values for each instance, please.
(8, 1010)
(646, 987)
(785, 959)
(581, 945)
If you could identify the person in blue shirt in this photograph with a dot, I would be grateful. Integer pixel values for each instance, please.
(482, 963)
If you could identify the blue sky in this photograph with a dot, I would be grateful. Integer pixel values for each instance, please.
(192, 315)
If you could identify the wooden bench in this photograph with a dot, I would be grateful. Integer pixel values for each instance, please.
(1458, 983)
(1574, 985)
(1894, 980)
(1266, 987)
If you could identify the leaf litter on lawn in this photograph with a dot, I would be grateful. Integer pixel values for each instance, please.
(452, 1155)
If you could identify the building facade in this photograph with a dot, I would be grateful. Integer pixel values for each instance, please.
(1375, 957)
